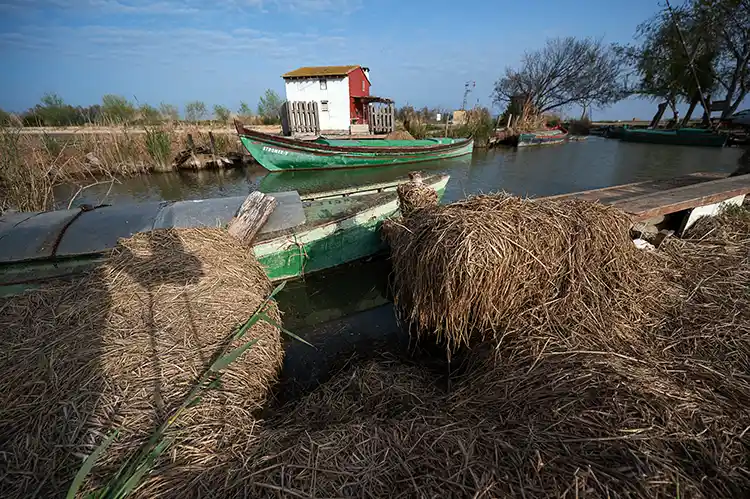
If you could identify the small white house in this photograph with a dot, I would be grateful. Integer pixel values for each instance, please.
(342, 93)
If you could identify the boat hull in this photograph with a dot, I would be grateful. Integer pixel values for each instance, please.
(685, 137)
(540, 139)
(329, 245)
(341, 226)
(278, 154)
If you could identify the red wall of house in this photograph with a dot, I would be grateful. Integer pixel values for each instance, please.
(356, 78)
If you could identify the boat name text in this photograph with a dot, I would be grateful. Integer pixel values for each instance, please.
(274, 150)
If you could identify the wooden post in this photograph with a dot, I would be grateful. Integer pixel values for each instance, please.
(197, 163)
(689, 114)
(251, 216)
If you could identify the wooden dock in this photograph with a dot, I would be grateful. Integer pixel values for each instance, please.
(655, 199)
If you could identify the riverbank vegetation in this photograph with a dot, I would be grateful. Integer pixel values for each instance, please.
(53, 111)
(33, 164)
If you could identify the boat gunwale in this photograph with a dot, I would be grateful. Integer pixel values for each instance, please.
(375, 200)
(327, 150)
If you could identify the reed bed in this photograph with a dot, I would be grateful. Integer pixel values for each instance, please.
(500, 265)
(31, 165)
(120, 349)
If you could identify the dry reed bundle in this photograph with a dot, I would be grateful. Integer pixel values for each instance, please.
(500, 264)
(121, 349)
(399, 135)
(561, 411)
(732, 225)
(415, 194)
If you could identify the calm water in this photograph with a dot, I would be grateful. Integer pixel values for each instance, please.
(540, 171)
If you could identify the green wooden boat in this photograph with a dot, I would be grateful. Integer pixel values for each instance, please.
(680, 137)
(303, 235)
(542, 137)
(277, 153)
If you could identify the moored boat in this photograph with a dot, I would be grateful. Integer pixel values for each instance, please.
(542, 137)
(276, 153)
(680, 137)
(303, 235)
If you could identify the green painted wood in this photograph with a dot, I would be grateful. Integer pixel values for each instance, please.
(281, 154)
(543, 137)
(680, 137)
(340, 228)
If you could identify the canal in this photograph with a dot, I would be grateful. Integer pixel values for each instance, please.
(345, 312)
(536, 171)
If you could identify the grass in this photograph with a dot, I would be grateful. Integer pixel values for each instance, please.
(159, 147)
(33, 164)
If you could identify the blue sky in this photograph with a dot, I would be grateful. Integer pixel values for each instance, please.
(225, 51)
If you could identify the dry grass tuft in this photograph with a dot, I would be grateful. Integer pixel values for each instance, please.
(414, 195)
(121, 349)
(502, 265)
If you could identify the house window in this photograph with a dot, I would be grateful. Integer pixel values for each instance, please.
(363, 85)
(323, 85)
(324, 105)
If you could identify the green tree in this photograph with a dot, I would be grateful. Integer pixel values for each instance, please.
(169, 112)
(244, 110)
(195, 111)
(53, 111)
(117, 108)
(269, 107)
(149, 114)
(222, 113)
(716, 35)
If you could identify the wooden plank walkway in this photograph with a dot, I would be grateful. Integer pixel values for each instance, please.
(685, 198)
(654, 198)
(610, 195)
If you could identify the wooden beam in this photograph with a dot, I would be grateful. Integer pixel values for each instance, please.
(684, 198)
(251, 216)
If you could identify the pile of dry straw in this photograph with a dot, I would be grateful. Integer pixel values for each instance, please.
(610, 371)
(120, 349)
(592, 368)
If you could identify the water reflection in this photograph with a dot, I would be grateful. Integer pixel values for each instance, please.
(538, 171)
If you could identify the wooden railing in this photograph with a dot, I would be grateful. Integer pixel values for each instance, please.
(300, 117)
(381, 118)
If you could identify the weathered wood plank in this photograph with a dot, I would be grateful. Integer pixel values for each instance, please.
(251, 216)
(684, 198)
(615, 193)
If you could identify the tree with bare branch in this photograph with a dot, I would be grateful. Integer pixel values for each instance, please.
(566, 71)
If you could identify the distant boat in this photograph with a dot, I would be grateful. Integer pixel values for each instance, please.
(680, 137)
(304, 234)
(542, 137)
(277, 153)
